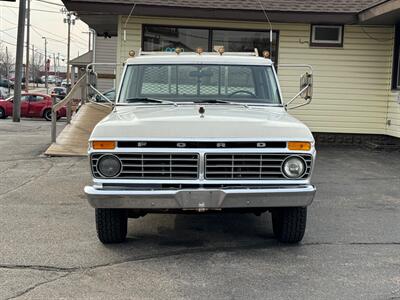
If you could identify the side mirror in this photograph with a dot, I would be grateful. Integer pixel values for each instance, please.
(306, 86)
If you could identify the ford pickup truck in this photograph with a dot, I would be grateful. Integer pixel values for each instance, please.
(202, 132)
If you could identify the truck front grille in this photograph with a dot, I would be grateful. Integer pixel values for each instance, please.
(154, 165)
(248, 166)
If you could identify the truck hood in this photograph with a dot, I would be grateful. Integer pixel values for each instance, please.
(167, 122)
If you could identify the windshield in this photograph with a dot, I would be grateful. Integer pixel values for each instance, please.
(198, 83)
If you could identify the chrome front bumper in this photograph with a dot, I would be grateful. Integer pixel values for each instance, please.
(202, 199)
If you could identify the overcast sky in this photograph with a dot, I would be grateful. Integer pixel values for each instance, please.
(46, 20)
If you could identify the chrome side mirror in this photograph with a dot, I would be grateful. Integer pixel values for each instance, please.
(306, 86)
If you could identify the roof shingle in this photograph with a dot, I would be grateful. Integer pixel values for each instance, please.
(320, 6)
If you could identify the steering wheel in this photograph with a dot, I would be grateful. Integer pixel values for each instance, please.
(242, 92)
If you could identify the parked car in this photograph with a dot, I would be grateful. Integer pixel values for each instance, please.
(60, 92)
(58, 81)
(186, 142)
(12, 84)
(64, 83)
(33, 105)
(110, 94)
(4, 92)
(4, 83)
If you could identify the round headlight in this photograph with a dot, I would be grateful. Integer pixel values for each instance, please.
(294, 167)
(109, 166)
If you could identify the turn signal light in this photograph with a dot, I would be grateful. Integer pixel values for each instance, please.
(103, 145)
(299, 146)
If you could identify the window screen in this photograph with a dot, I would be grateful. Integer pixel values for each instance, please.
(327, 35)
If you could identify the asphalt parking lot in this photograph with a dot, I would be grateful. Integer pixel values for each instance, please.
(49, 248)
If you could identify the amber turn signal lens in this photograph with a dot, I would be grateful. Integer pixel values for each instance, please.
(299, 146)
(103, 145)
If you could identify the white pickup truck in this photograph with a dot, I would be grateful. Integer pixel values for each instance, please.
(201, 132)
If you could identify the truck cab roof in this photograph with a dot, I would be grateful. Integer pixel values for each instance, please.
(193, 58)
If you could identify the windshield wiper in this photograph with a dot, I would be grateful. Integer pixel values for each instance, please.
(219, 101)
(149, 100)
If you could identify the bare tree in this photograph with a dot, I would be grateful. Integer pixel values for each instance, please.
(6, 61)
(37, 64)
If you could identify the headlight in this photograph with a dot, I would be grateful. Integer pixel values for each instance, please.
(294, 167)
(109, 165)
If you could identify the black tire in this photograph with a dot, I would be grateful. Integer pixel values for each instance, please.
(47, 114)
(2, 113)
(289, 224)
(111, 225)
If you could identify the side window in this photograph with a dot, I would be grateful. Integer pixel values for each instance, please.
(36, 98)
(25, 98)
(327, 35)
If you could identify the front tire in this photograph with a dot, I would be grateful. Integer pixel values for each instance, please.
(2, 113)
(47, 114)
(289, 224)
(111, 225)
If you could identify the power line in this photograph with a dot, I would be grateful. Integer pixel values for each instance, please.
(33, 9)
(56, 40)
(51, 3)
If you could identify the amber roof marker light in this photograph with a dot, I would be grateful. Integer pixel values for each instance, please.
(199, 51)
(132, 53)
(266, 54)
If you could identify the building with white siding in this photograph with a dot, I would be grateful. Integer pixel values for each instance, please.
(353, 46)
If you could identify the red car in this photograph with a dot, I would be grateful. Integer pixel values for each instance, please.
(33, 105)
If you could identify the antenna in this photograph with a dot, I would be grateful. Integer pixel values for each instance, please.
(127, 20)
(270, 26)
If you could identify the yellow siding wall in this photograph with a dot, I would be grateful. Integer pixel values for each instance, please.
(393, 116)
(352, 84)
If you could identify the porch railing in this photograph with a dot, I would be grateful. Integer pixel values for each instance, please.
(80, 85)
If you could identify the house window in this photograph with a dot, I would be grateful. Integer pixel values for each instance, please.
(163, 38)
(245, 41)
(327, 35)
(167, 38)
(396, 60)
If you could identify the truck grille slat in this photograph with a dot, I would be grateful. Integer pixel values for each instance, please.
(154, 166)
(217, 166)
(248, 166)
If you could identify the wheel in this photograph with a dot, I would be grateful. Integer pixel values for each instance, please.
(111, 225)
(289, 224)
(2, 113)
(47, 114)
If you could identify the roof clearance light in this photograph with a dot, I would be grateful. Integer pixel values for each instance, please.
(299, 146)
(266, 54)
(199, 50)
(221, 50)
(103, 145)
(132, 53)
(178, 51)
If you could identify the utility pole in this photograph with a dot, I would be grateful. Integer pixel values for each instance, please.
(70, 20)
(55, 67)
(28, 24)
(18, 62)
(58, 64)
(8, 71)
(45, 64)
